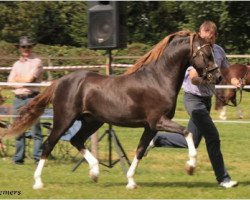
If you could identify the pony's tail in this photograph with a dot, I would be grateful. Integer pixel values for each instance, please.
(30, 113)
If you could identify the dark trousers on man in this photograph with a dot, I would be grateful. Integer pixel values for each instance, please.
(20, 140)
(200, 124)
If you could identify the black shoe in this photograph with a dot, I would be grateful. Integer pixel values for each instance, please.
(36, 161)
(18, 163)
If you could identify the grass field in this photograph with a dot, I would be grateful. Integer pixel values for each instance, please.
(160, 175)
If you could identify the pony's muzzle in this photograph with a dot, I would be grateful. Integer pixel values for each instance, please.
(218, 80)
(217, 76)
(214, 75)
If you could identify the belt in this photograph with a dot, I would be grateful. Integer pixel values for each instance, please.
(26, 96)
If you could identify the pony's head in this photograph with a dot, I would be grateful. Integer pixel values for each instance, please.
(202, 59)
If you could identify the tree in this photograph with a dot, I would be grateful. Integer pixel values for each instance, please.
(49, 22)
(65, 22)
(149, 22)
(62, 23)
(232, 19)
(234, 27)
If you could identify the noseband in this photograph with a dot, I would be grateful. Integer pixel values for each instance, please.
(207, 72)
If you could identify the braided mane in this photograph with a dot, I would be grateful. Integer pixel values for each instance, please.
(157, 51)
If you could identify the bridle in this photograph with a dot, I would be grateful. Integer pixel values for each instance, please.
(207, 72)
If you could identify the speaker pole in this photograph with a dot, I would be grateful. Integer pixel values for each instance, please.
(112, 137)
(109, 63)
(109, 72)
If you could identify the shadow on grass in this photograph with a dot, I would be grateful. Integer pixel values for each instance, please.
(177, 184)
(244, 183)
(169, 184)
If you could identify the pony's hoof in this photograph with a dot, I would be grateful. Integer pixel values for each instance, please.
(38, 186)
(189, 169)
(93, 176)
(223, 118)
(131, 186)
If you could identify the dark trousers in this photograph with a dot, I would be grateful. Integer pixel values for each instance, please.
(200, 124)
(20, 140)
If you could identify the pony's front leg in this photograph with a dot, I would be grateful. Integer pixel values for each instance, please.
(166, 124)
(37, 175)
(223, 115)
(146, 137)
(130, 174)
(239, 112)
(192, 153)
(93, 165)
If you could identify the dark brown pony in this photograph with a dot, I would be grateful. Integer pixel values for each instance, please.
(229, 95)
(144, 97)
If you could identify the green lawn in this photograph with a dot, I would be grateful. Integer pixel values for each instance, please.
(160, 175)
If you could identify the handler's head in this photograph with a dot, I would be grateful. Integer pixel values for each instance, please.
(208, 31)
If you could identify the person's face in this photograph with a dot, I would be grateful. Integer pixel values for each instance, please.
(208, 34)
(25, 50)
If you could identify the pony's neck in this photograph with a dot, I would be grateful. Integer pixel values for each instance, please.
(173, 64)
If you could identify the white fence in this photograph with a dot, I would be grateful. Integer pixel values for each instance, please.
(45, 84)
(59, 68)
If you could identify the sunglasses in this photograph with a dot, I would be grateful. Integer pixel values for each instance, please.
(26, 47)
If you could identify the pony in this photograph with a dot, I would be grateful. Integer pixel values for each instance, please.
(145, 96)
(224, 96)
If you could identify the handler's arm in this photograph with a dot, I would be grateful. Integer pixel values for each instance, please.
(195, 79)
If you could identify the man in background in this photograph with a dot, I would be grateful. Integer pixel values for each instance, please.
(28, 69)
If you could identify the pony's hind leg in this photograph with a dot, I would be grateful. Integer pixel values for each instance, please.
(48, 146)
(146, 137)
(37, 175)
(87, 129)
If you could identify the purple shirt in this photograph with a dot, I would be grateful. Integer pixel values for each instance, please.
(205, 89)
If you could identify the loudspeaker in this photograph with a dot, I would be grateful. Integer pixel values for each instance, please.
(107, 25)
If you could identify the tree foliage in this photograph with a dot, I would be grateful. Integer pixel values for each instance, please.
(65, 22)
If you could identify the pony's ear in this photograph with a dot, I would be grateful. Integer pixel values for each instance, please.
(197, 35)
(209, 41)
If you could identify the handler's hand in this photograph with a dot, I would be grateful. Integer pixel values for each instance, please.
(195, 79)
(238, 82)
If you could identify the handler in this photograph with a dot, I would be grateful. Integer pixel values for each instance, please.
(197, 101)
